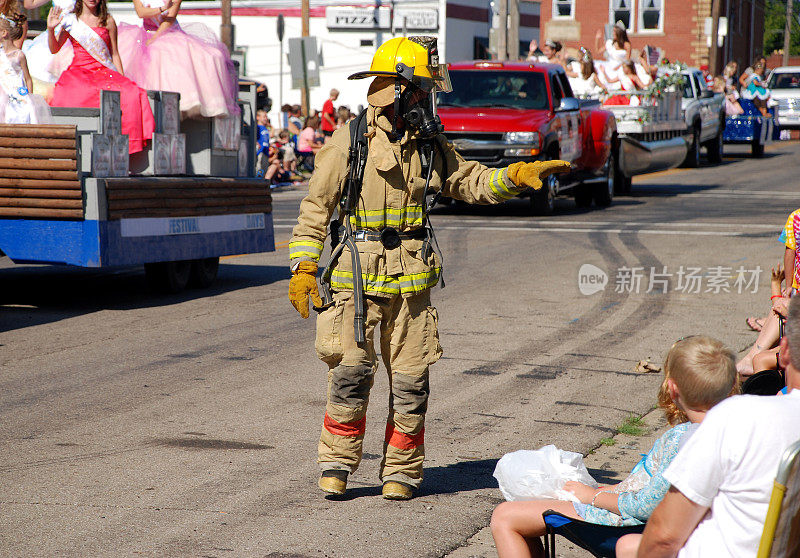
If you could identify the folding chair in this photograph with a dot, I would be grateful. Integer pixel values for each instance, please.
(599, 540)
(781, 535)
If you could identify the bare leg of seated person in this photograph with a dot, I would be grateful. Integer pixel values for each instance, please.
(766, 340)
(517, 526)
(766, 360)
(628, 546)
(273, 168)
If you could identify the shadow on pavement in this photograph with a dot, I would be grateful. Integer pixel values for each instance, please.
(33, 295)
(448, 479)
(459, 477)
(603, 476)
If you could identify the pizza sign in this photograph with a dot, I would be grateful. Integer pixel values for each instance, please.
(350, 19)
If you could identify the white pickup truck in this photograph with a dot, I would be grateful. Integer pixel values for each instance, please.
(704, 114)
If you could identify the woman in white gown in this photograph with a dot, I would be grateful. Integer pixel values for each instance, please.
(582, 77)
(616, 50)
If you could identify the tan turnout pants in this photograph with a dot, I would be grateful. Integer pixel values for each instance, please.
(409, 343)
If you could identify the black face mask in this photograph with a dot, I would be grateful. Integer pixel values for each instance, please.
(421, 115)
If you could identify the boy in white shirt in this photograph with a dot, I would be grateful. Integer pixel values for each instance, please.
(722, 478)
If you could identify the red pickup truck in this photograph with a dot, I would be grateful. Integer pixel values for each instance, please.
(499, 113)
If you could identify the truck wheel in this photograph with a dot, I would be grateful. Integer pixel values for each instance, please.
(583, 195)
(604, 191)
(543, 200)
(715, 149)
(204, 272)
(168, 277)
(757, 149)
(692, 160)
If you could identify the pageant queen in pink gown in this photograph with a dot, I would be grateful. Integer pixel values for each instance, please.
(80, 84)
(188, 59)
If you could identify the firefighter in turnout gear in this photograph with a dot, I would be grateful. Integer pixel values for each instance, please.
(376, 173)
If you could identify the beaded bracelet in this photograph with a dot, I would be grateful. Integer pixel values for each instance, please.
(596, 495)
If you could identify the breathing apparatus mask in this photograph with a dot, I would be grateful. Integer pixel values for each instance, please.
(416, 105)
(413, 76)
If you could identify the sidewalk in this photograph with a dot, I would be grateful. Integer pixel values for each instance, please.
(608, 464)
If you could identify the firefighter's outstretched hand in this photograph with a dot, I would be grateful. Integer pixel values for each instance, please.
(303, 285)
(530, 175)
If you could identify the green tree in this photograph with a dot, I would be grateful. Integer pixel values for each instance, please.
(774, 23)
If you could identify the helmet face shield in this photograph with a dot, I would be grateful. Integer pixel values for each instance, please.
(432, 77)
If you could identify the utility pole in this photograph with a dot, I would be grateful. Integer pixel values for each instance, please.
(713, 63)
(787, 32)
(502, 16)
(304, 33)
(226, 28)
(513, 30)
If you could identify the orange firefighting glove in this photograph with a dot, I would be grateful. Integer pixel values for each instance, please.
(530, 175)
(302, 285)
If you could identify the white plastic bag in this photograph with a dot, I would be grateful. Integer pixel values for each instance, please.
(532, 474)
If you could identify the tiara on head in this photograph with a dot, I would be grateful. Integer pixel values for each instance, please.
(10, 21)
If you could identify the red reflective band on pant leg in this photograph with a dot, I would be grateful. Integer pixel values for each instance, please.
(355, 428)
(403, 441)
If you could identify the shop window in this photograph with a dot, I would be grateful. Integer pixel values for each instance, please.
(651, 15)
(564, 9)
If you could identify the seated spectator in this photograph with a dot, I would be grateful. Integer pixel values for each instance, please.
(722, 478)
(307, 141)
(343, 116)
(764, 353)
(286, 151)
(295, 122)
(698, 373)
(769, 330)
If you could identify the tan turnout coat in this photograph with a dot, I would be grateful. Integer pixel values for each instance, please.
(391, 196)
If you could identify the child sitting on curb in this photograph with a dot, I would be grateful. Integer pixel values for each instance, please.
(699, 372)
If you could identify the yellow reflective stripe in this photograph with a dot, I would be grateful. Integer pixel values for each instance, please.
(388, 217)
(387, 284)
(307, 248)
(499, 187)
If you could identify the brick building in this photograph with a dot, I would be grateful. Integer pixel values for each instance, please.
(678, 27)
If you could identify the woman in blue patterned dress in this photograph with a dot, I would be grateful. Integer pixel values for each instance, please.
(699, 372)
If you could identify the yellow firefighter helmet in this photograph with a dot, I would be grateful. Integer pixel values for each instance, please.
(415, 59)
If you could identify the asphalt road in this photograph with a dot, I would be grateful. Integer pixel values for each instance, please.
(137, 424)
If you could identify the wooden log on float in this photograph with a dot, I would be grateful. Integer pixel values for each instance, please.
(41, 203)
(38, 174)
(34, 184)
(38, 131)
(39, 213)
(34, 142)
(40, 193)
(37, 153)
(38, 164)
